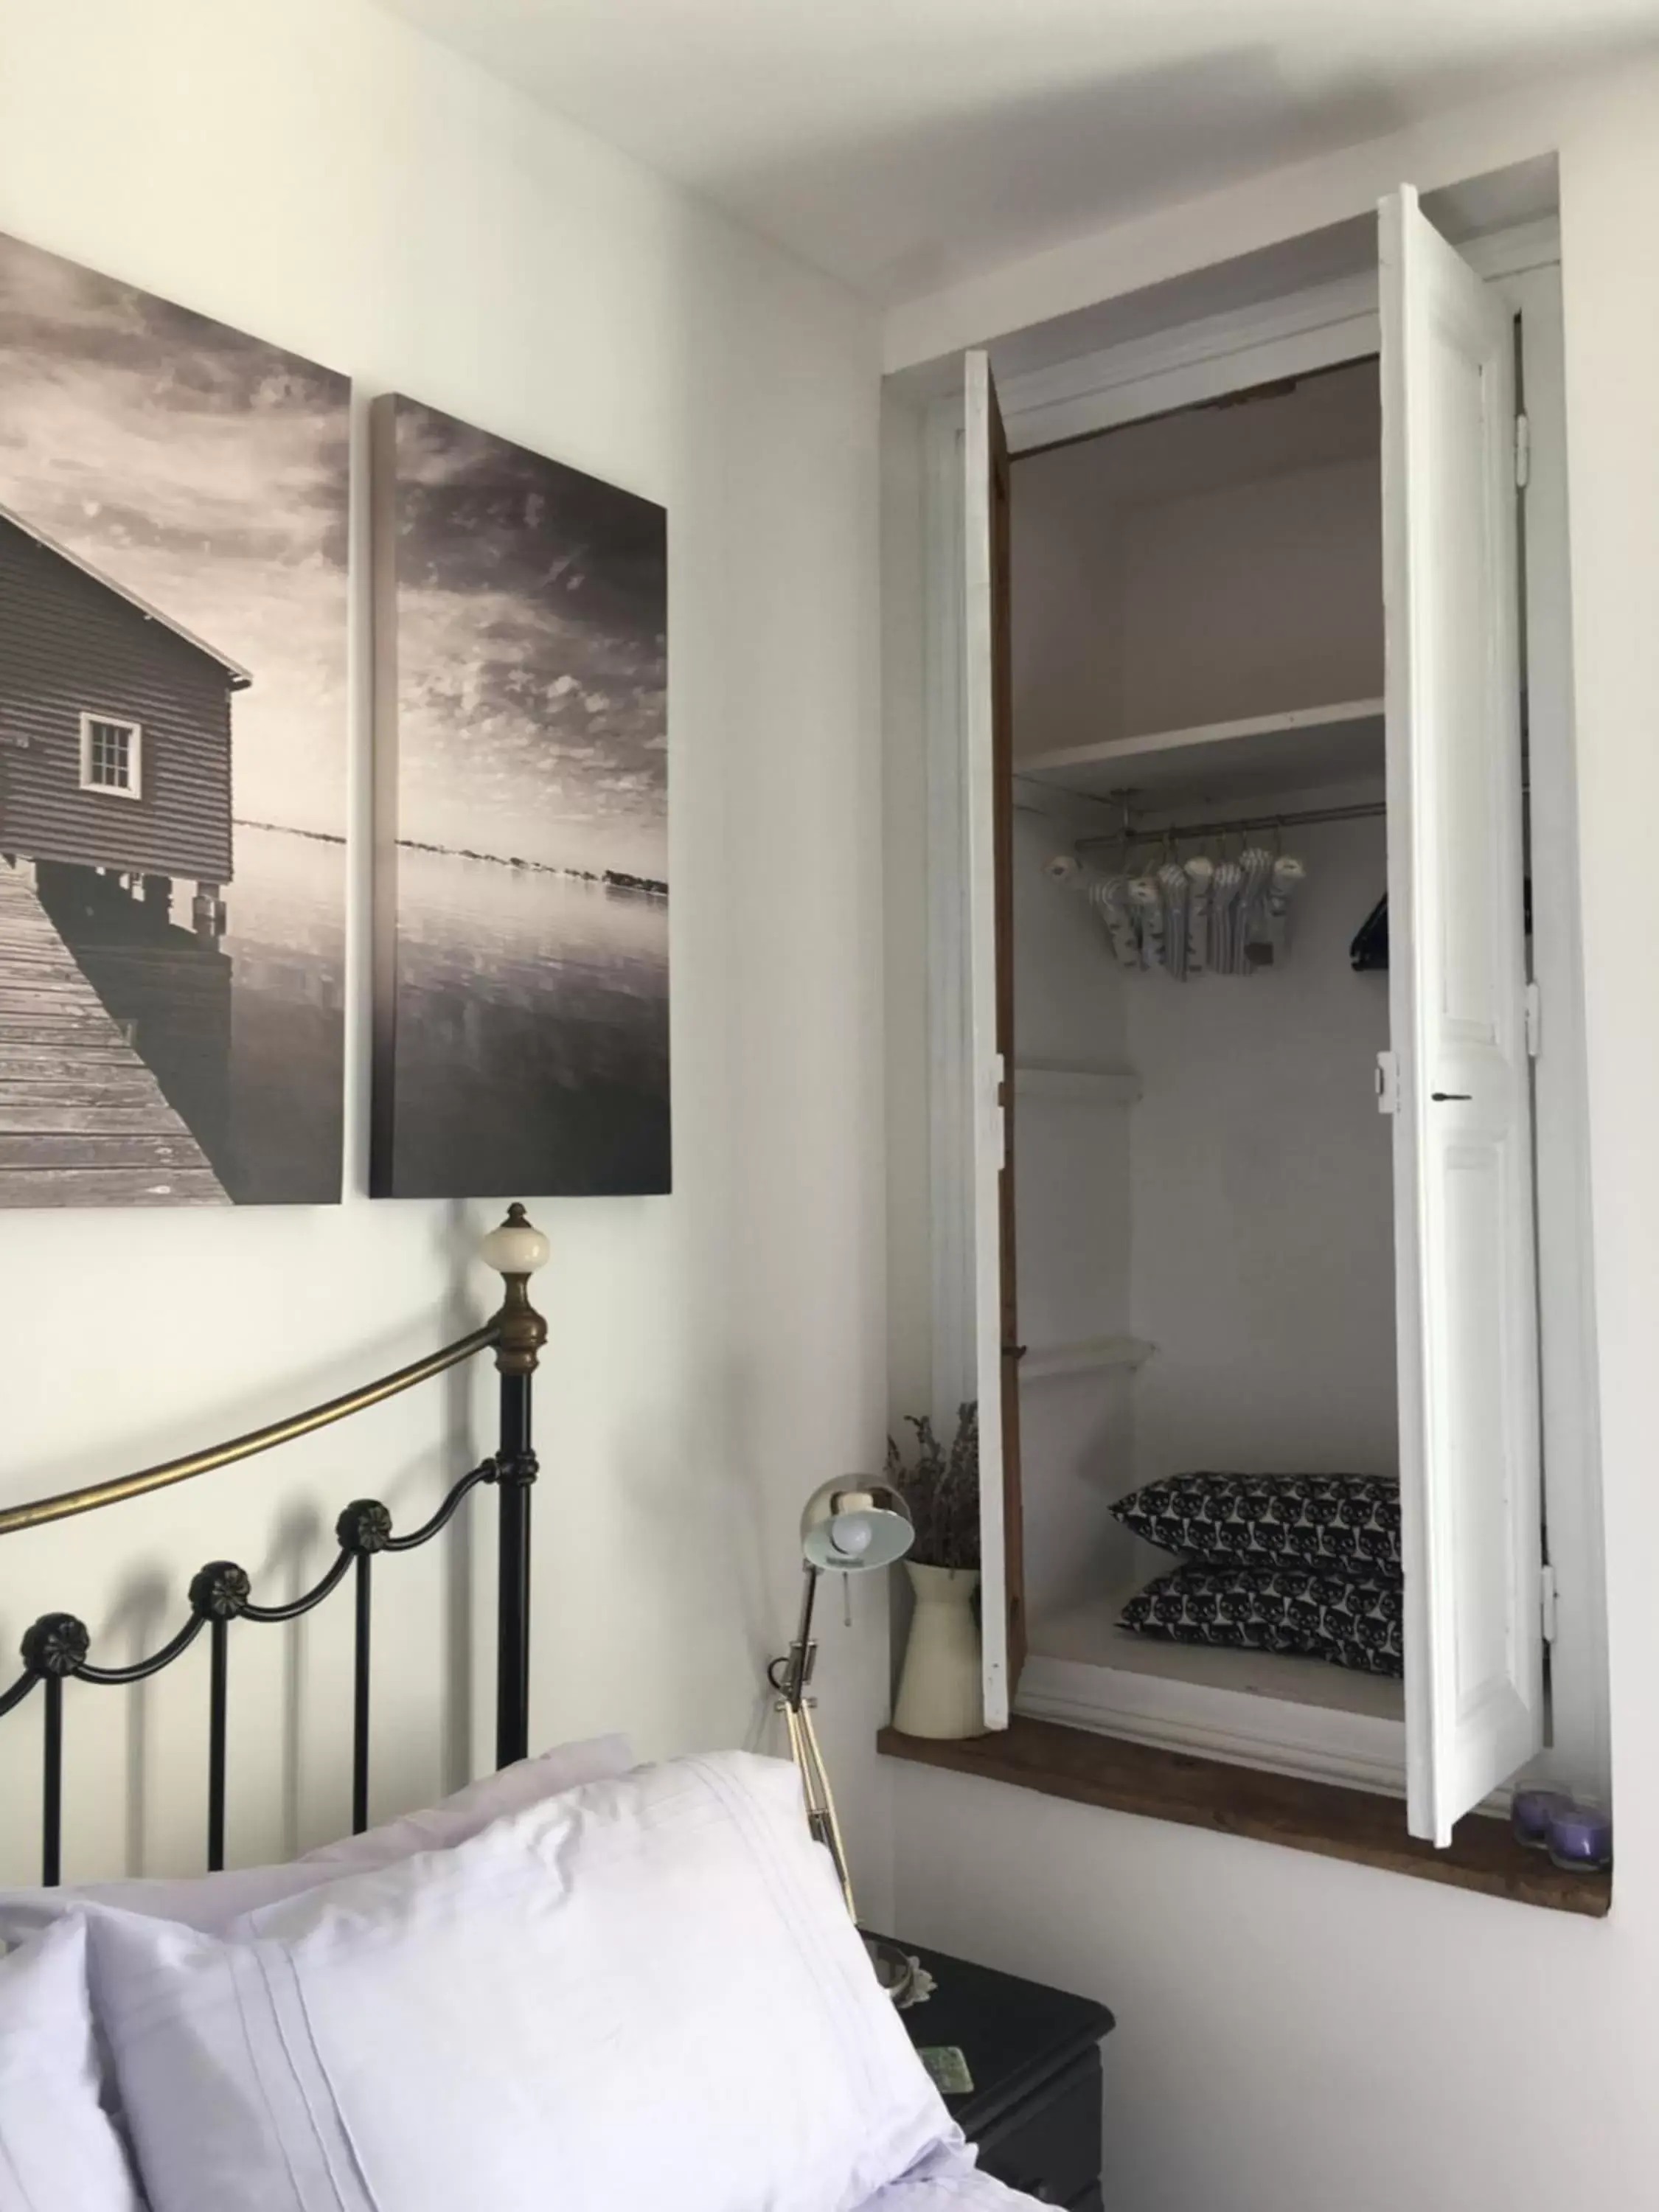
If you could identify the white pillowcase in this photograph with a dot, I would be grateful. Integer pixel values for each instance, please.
(640, 1994)
(59, 2151)
(948, 2179)
(214, 1901)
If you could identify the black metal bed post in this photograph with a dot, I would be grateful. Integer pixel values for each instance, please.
(516, 1250)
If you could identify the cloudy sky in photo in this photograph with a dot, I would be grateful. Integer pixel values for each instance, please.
(532, 654)
(207, 473)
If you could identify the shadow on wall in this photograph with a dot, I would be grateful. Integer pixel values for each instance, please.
(1048, 163)
(904, 212)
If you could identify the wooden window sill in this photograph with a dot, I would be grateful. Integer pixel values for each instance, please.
(1241, 1801)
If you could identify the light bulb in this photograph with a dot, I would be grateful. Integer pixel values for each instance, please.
(851, 1535)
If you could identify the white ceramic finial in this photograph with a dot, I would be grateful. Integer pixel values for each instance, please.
(517, 1248)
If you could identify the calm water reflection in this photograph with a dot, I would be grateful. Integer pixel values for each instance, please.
(531, 1048)
(286, 939)
(245, 1035)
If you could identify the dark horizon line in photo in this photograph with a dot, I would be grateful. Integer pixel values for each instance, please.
(616, 878)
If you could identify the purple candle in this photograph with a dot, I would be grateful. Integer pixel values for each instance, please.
(1530, 1814)
(1580, 1837)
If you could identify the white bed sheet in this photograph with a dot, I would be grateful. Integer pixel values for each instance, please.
(946, 2178)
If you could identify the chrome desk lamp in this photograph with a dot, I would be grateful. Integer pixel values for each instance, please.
(851, 1525)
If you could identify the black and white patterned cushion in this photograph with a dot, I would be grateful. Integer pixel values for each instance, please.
(1352, 1620)
(1323, 1524)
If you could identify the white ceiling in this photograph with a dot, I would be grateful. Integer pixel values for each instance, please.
(903, 144)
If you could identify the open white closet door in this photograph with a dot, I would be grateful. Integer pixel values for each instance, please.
(1462, 1151)
(987, 709)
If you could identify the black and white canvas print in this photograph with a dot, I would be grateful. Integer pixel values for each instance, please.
(521, 1003)
(172, 700)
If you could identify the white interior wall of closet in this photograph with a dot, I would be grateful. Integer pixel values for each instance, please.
(1075, 1233)
(1261, 1223)
(1200, 568)
(1236, 1216)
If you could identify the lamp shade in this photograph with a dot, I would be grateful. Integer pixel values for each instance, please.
(854, 1521)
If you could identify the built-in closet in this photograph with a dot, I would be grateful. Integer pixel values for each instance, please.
(1273, 609)
(1205, 1216)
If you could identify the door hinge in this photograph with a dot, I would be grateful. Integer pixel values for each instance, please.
(1522, 452)
(1534, 1021)
(1388, 1084)
(1546, 1600)
(998, 1108)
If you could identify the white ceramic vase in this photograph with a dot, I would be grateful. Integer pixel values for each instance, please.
(939, 1690)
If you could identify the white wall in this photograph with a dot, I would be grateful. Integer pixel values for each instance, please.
(329, 180)
(1297, 2035)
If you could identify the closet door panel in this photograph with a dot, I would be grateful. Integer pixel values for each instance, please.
(1463, 1174)
(987, 705)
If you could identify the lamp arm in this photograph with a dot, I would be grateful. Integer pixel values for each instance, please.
(789, 1676)
(821, 1817)
(800, 1652)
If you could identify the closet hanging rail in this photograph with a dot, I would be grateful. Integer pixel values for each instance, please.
(1135, 833)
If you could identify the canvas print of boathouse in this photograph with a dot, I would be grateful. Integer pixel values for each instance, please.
(521, 953)
(173, 612)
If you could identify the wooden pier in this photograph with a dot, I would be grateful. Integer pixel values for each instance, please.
(83, 1120)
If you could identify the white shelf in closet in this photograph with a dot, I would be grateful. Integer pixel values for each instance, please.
(1065, 1083)
(1042, 1362)
(1088, 1634)
(1259, 1708)
(1302, 749)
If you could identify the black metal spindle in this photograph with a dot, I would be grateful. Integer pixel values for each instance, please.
(52, 1788)
(517, 1248)
(517, 1471)
(219, 1672)
(360, 1702)
(219, 1594)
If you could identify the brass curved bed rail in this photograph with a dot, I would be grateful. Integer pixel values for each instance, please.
(40, 1510)
(57, 1647)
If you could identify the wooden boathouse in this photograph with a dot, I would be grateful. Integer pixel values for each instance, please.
(114, 722)
(115, 783)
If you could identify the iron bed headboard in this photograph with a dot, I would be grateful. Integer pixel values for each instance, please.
(56, 1649)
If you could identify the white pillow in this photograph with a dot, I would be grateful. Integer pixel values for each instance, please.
(213, 1901)
(643, 1993)
(947, 2180)
(59, 2151)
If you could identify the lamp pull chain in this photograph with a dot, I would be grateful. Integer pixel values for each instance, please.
(847, 1601)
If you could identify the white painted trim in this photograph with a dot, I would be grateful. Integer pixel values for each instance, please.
(1087, 1357)
(951, 1082)
(1060, 1084)
(1320, 1743)
(1207, 360)
(987, 1124)
(135, 789)
(1530, 246)
(1577, 1658)
(1319, 328)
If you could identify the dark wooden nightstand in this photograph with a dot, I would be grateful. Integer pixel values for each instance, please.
(1034, 2109)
